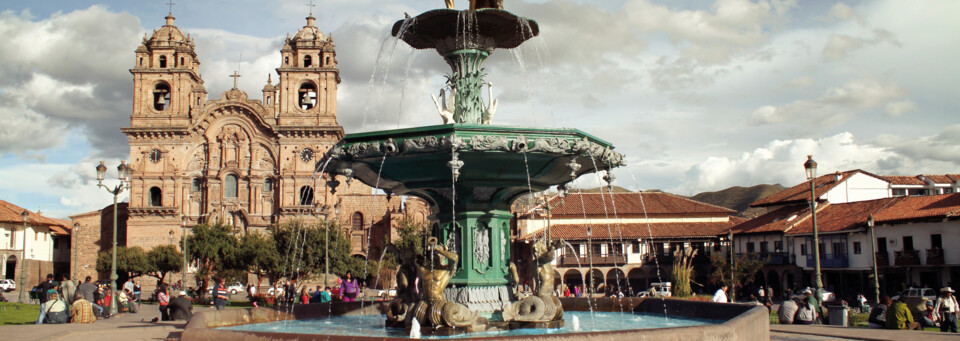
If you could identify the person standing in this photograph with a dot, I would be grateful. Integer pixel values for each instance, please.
(220, 294)
(721, 295)
(946, 309)
(136, 292)
(69, 289)
(163, 298)
(45, 287)
(128, 285)
(770, 294)
(350, 288)
(87, 289)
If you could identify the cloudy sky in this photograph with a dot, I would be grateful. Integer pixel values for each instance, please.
(700, 95)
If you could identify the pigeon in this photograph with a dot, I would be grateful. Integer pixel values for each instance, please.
(154, 320)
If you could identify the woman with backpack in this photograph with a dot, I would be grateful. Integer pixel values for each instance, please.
(54, 310)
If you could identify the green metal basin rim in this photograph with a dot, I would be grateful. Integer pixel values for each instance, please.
(448, 129)
(469, 51)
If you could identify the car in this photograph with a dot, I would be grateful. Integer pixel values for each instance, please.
(233, 289)
(660, 290)
(387, 294)
(8, 285)
(828, 296)
(926, 293)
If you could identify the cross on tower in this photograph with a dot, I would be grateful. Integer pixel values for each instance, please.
(310, 7)
(236, 75)
(171, 3)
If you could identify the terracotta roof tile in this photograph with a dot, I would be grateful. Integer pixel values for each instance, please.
(779, 220)
(920, 208)
(905, 180)
(844, 217)
(634, 204)
(635, 230)
(10, 213)
(800, 193)
(940, 178)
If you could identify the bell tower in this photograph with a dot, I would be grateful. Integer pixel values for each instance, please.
(166, 79)
(307, 94)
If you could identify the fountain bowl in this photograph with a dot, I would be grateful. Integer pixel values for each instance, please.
(736, 321)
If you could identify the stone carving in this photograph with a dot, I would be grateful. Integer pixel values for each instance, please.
(443, 106)
(553, 145)
(489, 142)
(481, 246)
(519, 145)
(421, 145)
(455, 164)
(364, 150)
(503, 248)
(491, 108)
(453, 241)
(453, 143)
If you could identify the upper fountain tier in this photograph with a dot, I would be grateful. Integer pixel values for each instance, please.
(447, 30)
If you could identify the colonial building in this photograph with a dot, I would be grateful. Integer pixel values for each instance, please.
(248, 162)
(39, 244)
(625, 240)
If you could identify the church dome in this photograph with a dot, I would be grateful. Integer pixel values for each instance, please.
(169, 35)
(308, 34)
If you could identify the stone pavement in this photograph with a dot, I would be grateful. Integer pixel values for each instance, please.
(127, 327)
(820, 332)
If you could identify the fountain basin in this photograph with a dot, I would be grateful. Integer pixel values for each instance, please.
(735, 321)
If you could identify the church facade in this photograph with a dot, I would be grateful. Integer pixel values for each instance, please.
(248, 162)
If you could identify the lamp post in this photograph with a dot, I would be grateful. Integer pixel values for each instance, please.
(733, 281)
(873, 245)
(123, 174)
(183, 235)
(811, 167)
(74, 236)
(23, 260)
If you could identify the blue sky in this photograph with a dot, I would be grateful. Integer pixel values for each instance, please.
(700, 95)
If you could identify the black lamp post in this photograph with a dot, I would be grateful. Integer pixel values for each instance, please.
(183, 235)
(74, 237)
(23, 260)
(873, 244)
(123, 174)
(811, 167)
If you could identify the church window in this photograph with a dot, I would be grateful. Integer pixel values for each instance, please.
(268, 185)
(141, 61)
(161, 96)
(181, 61)
(307, 61)
(156, 196)
(306, 195)
(163, 61)
(308, 96)
(328, 60)
(195, 186)
(230, 186)
(286, 60)
(357, 221)
(269, 100)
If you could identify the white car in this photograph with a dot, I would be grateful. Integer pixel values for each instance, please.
(828, 296)
(927, 293)
(8, 285)
(233, 289)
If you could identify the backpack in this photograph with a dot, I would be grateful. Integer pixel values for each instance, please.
(57, 317)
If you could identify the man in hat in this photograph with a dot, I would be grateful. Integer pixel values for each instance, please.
(946, 310)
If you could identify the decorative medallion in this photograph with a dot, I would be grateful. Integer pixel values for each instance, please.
(156, 155)
(306, 154)
(481, 246)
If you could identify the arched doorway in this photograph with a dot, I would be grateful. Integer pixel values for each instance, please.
(595, 280)
(773, 280)
(572, 278)
(789, 281)
(11, 267)
(616, 280)
(636, 280)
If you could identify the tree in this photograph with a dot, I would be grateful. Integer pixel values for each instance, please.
(131, 262)
(164, 259)
(259, 253)
(682, 273)
(746, 266)
(214, 249)
(411, 238)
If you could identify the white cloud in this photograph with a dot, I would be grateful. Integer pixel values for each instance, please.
(840, 45)
(899, 108)
(836, 106)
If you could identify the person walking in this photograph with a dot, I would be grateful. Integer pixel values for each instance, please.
(220, 295)
(721, 295)
(68, 289)
(946, 309)
(350, 289)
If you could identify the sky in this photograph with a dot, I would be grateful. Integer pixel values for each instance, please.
(698, 95)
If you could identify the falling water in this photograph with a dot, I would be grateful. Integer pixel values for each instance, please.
(656, 259)
(576, 322)
(391, 42)
(366, 251)
(415, 329)
(609, 231)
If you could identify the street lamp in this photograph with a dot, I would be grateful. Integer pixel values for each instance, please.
(733, 281)
(123, 174)
(811, 167)
(23, 260)
(74, 236)
(873, 243)
(183, 235)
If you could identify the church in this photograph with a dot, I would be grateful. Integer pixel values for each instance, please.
(247, 162)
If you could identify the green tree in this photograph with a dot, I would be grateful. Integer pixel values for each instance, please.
(131, 262)
(164, 259)
(214, 249)
(258, 252)
(745, 267)
(302, 252)
(411, 237)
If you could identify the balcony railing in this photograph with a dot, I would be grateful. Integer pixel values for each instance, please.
(608, 259)
(830, 261)
(906, 257)
(883, 259)
(935, 256)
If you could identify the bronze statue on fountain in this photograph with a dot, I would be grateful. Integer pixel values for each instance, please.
(542, 309)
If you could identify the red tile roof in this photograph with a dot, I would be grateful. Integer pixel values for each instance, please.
(637, 230)
(921, 208)
(843, 217)
(633, 203)
(10, 213)
(801, 193)
(779, 220)
(905, 180)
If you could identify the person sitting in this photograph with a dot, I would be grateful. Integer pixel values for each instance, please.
(788, 311)
(82, 310)
(123, 302)
(878, 316)
(181, 308)
(928, 317)
(325, 295)
(806, 313)
(900, 317)
(54, 310)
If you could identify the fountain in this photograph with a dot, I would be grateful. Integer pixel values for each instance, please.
(470, 171)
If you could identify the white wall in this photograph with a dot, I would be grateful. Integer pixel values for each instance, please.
(858, 187)
(949, 232)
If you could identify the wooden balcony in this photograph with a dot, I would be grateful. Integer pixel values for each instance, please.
(906, 257)
(830, 261)
(935, 256)
(883, 259)
(602, 260)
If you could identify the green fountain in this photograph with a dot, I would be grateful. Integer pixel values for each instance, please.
(470, 171)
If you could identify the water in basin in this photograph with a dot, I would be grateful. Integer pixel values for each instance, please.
(373, 325)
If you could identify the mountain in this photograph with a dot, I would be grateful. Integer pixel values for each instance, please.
(739, 198)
